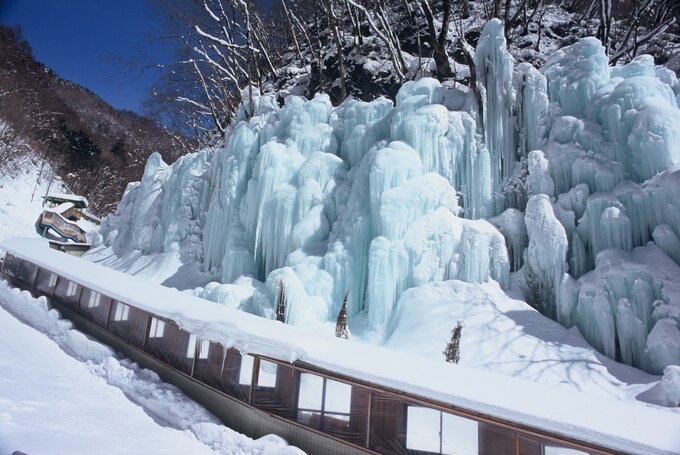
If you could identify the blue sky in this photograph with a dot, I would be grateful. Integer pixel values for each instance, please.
(77, 38)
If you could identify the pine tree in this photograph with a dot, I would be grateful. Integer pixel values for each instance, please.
(341, 330)
(452, 351)
(281, 305)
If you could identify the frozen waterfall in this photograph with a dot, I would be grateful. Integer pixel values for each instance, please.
(568, 176)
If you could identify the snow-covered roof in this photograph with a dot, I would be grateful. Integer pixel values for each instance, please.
(78, 201)
(61, 208)
(619, 425)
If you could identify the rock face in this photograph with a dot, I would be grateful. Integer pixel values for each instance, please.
(567, 176)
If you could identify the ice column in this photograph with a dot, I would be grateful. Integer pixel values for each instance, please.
(495, 67)
(546, 255)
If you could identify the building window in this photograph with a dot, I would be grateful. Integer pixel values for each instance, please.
(94, 300)
(71, 289)
(555, 450)
(246, 372)
(122, 312)
(429, 430)
(323, 400)
(204, 349)
(157, 328)
(52, 281)
(203, 346)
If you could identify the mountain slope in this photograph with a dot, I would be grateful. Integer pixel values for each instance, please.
(94, 147)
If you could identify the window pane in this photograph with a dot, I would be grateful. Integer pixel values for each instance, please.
(94, 307)
(310, 418)
(122, 312)
(388, 424)
(191, 347)
(459, 435)
(171, 347)
(11, 265)
(338, 396)
(267, 375)
(246, 373)
(422, 429)
(311, 389)
(129, 323)
(68, 293)
(46, 281)
(27, 272)
(555, 450)
(204, 349)
(494, 440)
(280, 397)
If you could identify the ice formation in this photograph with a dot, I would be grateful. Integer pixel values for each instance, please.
(568, 176)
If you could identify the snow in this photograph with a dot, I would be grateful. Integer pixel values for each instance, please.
(61, 392)
(69, 392)
(608, 421)
(68, 197)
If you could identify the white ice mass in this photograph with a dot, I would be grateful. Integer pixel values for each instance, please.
(567, 177)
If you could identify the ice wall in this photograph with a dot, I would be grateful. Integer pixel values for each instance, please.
(363, 199)
(563, 175)
(612, 155)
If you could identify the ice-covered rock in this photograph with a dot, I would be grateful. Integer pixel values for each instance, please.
(670, 383)
(545, 257)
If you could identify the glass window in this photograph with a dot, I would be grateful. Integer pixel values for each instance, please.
(94, 300)
(191, 347)
(267, 375)
(11, 265)
(220, 368)
(556, 450)
(27, 273)
(46, 281)
(129, 323)
(157, 328)
(122, 312)
(95, 307)
(434, 431)
(204, 349)
(67, 292)
(246, 374)
(170, 344)
(324, 403)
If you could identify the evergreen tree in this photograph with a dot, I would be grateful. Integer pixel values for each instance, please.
(341, 330)
(452, 351)
(281, 305)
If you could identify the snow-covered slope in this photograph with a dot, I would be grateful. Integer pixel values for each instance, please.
(544, 175)
(63, 393)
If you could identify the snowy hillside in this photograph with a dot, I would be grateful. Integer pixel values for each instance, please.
(63, 393)
(559, 185)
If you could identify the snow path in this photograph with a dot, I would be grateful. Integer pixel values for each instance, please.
(82, 399)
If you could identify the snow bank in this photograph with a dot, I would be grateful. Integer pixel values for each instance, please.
(123, 407)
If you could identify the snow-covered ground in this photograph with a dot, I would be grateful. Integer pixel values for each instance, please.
(63, 393)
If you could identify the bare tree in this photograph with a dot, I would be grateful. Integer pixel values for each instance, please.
(439, 38)
(332, 15)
